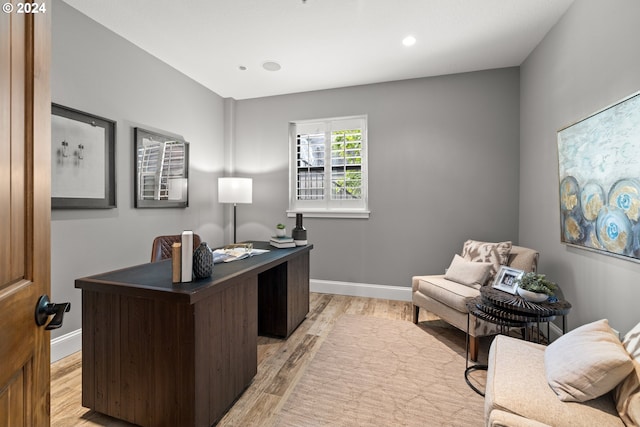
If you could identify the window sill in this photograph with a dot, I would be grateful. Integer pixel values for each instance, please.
(335, 213)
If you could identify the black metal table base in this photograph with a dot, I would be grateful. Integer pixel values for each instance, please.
(476, 367)
(510, 311)
(466, 376)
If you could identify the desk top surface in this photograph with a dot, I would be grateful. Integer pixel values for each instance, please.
(154, 279)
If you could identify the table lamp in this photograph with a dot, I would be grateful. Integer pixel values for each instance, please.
(234, 190)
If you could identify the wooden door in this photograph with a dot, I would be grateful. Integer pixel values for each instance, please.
(25, 151)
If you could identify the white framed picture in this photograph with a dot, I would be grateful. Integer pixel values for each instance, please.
(507, 278)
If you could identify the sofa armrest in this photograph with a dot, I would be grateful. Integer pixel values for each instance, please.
(415, 280)
(499, 418)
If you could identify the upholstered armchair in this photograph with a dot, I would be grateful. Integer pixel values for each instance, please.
(161, 248)
(446, 295)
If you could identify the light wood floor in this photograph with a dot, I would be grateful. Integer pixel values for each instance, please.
(280, 365)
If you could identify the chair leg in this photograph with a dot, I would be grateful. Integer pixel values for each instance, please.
(474, 344)
(416, 311)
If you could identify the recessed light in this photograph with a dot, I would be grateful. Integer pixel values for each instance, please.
(271, 66)
(409, 41)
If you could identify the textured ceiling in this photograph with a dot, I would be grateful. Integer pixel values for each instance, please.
(322, 44)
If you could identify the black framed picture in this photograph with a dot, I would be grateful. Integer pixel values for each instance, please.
(83, 174)
(161, 170)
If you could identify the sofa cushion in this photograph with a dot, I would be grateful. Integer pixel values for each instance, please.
(516, 383)
(499, 418)
(524, 259)
(627, 393)
(586, 363)
(466, 272)
(448, 292)
(495, 253)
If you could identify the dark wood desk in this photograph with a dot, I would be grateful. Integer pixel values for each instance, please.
(161, 354)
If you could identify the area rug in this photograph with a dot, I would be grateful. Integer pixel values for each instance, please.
(379, 372)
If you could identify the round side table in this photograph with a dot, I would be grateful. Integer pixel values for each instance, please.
(511, 311)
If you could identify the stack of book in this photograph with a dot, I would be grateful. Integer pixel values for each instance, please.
(282, 242)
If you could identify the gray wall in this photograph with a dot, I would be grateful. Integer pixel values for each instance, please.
(588, 61)
(96, 71)
(451, 157)
(443, 168)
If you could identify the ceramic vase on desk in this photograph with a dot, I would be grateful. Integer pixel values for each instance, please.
(202, 261)
(299, 233)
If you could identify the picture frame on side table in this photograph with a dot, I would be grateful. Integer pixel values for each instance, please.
(161, 172)
(506, 279)
(83, 174)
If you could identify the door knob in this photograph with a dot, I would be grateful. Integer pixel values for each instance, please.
(46, 308)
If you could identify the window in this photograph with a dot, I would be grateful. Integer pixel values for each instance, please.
(329, 167)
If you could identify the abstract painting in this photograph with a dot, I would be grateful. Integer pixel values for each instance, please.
(599, 170)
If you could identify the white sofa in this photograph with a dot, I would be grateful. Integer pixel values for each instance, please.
(518, 390)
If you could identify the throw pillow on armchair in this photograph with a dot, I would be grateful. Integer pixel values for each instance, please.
(495, 253)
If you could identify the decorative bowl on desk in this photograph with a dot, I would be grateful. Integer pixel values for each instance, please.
(532, 296)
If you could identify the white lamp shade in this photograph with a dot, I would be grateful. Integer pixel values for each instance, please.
(235, 190)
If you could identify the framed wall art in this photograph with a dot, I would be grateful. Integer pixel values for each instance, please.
(506, 279)
(161, 170)
(599, 171)
(83, 174)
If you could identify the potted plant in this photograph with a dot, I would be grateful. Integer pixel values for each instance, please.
(535, 287)
(281, 230)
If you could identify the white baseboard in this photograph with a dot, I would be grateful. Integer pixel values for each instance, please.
(66, 345)
(398, 293)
